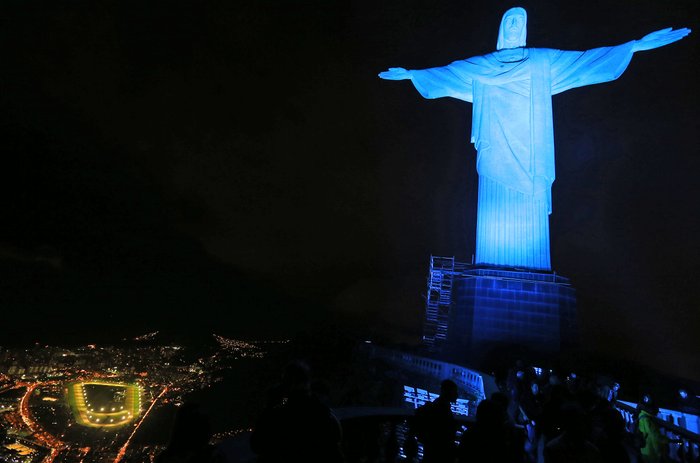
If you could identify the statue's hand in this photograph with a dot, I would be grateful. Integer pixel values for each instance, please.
(660, 38)
(395, 74)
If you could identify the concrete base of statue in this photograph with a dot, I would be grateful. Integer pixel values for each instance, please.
(499, 310)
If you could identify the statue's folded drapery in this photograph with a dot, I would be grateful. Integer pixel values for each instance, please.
(511, 91)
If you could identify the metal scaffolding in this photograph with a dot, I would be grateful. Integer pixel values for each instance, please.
(438, 301)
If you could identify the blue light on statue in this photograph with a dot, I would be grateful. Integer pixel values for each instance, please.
(511, 90)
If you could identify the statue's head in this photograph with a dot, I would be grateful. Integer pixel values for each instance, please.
(513, 29)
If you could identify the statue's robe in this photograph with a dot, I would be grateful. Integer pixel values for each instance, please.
(511, 91)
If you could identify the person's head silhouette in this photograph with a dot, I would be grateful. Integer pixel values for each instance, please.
(448, 390)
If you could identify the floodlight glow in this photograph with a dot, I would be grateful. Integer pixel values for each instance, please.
(126, 395)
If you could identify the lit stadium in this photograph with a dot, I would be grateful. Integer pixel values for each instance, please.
(103, 404)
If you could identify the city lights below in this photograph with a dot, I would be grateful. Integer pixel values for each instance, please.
(64, 395)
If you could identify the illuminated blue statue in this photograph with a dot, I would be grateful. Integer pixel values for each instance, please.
(511, 90)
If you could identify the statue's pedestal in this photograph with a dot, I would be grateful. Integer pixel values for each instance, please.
(495, 308)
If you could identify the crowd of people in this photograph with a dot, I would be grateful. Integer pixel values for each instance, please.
(538, 417)
(535, 417)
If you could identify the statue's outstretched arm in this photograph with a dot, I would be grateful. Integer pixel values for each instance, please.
(660, 38)
(395, 74)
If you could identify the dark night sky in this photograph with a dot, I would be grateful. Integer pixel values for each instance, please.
(243, 160)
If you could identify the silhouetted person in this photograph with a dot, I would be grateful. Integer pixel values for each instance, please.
(655, 447)
(435, 426)
(609, 430)
(549, 423)
(296, 426)
(502, 399)
(492, 438)
(572, 445)
(516, 434)
(189, 439)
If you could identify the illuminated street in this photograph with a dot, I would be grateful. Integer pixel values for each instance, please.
(43, 437)
(122, 451)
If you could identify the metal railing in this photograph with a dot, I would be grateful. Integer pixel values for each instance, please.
(684, 445)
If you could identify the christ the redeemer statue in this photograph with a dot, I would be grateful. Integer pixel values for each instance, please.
(511, 90)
